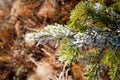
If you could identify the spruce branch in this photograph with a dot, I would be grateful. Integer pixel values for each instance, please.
(91, 26)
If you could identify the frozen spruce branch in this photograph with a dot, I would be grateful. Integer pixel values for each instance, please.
(82, 41)
(51, 33)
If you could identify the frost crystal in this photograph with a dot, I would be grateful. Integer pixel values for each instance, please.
(98, 7)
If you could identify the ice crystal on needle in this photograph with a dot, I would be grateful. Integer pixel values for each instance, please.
(98, 7)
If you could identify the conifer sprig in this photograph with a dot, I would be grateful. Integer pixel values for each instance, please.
(91, 26)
